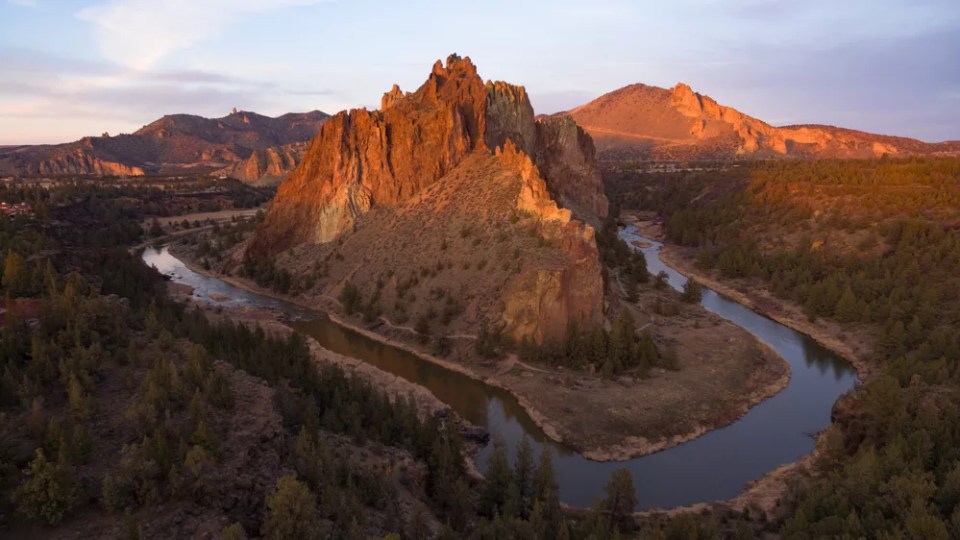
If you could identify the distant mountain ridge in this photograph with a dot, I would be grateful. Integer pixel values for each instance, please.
(658, 124)
(173, 144)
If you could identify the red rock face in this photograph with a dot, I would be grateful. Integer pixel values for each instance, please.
(364, 160)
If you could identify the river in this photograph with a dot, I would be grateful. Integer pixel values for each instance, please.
(715, 466)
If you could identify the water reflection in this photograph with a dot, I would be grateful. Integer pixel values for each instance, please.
(712, 467)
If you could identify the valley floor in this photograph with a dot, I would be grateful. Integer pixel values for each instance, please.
(724, 371)
(852, 343)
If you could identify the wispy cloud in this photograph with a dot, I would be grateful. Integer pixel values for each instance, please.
(25, 3)
(36, 89)
(138, 33)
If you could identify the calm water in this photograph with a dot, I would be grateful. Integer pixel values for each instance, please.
(715, 466)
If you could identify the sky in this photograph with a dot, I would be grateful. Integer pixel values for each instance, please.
(70, 68)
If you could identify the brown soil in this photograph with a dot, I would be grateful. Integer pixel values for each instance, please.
(723, 371)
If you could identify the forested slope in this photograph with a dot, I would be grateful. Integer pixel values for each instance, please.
(872, 245)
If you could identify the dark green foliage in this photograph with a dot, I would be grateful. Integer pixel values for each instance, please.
(888, 468)
(48, 492)
(491, 342)
(692, 292)
(291, 511)
(351, 298)
(622, 349)
(620, 501)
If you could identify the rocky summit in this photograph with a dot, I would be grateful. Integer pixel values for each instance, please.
(650, 123)
(455, 189)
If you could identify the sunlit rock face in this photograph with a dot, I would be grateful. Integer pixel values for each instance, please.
(646, 122)
(364, 160)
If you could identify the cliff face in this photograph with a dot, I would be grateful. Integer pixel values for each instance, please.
(389, 171)
(646, 122)
(73, 161)
(172, 144)
(565, 155)
(540, 300)
(267, 166)
(363, 158)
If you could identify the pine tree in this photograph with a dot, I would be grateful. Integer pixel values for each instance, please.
(16, 275)
(291, 511)
(350, 298)
(692, 292)
(547, 495)
(48, 493)
(847, 309)
(497, 481)
(155, 228)
(620, 500)
(523, 474)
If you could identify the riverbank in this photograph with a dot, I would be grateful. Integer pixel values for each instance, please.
(427, 404)
(725, 373)
(852, 345)
(765, 492)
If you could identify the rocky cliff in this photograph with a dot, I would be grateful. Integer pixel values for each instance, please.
(364, 158)
(565, 154)
(173, 144)
(647, 122)
(77, 160)
(395, 187)
(267, 166)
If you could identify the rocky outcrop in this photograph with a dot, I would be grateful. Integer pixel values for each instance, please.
(647, 122)
(267, 166)
(364, 158)
(457, 154)
(509, 116)
(541, 300)
(565, 155)
(78, 161)
(173, 144)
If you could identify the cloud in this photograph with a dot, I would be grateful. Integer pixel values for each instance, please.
(45, 98)
(25, 3)
(138, 33)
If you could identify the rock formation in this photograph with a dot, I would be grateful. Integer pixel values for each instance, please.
(647, 122)
(173, 144)
(267, 166)
(455, 145)
(565, 155)
(540, 300)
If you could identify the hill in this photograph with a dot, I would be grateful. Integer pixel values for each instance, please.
(652, 123)
(452, 188)
(173, 144)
